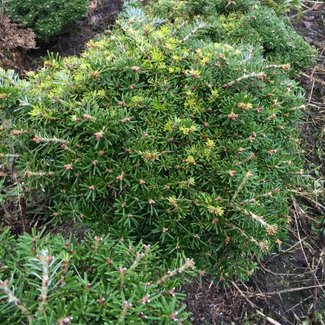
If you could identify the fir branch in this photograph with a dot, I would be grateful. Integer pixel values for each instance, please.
(38, 139)
(125, 307)
(264, 195)
(13, 299)
(189, 264)
(298, 108)
(45, 261)
(284, 67)
(122, 271)
(8, 155)
(200, 25)
(270, 229)
(258, 75)
(241, 185)
(138, 258)
(29, 174)
(262, 245)
(65, 147)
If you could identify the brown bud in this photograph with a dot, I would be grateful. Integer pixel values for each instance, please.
(232, 116)
(17, 132)
(68, 167)
(36, 139)
(101, 301)
(99, 135)
(120, 177)
(87, 117)
(136, 69)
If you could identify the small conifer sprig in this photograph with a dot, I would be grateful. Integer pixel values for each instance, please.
(113, 281)
(10, 298)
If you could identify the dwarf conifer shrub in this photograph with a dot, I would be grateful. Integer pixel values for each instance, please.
(52, 280)
(253, 22)
(47, 17)
(160, 134)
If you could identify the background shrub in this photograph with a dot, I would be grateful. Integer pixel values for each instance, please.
(46, 18)
(253, 22)
(52, 280)
(160, 134)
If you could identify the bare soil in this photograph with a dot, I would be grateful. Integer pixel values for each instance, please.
(14, 42)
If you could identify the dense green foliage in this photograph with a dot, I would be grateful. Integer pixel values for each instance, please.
(169, 130)
(242, 22)
(52, 280)
(47, 17)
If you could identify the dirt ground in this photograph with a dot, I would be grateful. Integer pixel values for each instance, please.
(14, 42)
